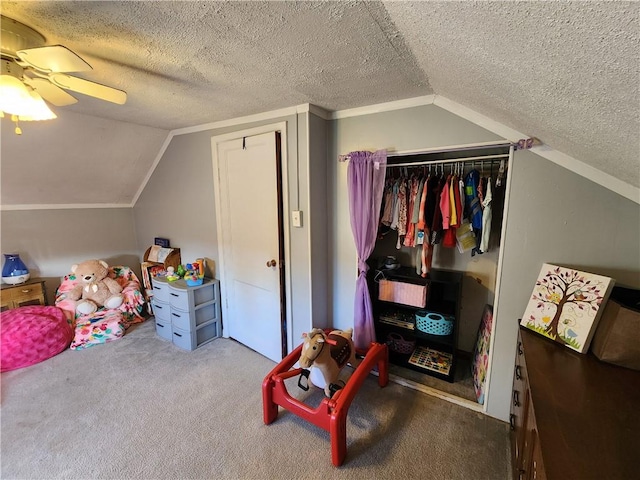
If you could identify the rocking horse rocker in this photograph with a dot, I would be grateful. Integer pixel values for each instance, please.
(325, 354)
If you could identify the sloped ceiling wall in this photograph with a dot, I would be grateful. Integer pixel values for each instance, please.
(565, 72)
(82, 160)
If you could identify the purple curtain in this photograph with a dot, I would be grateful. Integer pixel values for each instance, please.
(365, 180)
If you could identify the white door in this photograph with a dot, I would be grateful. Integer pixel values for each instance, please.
(249, 178)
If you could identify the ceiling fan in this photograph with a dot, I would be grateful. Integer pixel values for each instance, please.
(44, 69)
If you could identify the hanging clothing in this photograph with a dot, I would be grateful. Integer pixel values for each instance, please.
(462, 199)
(402, 211)
(423, 199)
(474, 210)
(445, 208)
(388, 204)
(453, 217)
(395, 207)
(418, 234)
(486, 218)
(436, 228)
(432, 201)
(457, 199)
(426, 258)
(409, 237)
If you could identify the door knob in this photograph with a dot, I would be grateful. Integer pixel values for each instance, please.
(271, 263)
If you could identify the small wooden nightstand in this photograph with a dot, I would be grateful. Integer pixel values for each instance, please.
(32, 292)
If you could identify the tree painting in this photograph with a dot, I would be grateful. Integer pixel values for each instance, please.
(565, 305)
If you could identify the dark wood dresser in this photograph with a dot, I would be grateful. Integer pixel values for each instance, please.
(572, 416)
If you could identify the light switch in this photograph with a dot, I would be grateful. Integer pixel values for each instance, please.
(296, 217)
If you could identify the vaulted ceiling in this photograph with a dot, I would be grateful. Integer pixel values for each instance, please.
(565, 72)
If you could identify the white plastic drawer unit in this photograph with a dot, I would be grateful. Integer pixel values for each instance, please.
(187, 316)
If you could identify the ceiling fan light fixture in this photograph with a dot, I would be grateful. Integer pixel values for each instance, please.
(14, 96)
(21, 103)
(38, 109)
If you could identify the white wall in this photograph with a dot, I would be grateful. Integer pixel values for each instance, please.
(178, 203)
(557, 217)
(51, 241)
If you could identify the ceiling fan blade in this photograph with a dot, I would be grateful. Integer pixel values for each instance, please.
(55, 58)
(51, 93)
(87, 87)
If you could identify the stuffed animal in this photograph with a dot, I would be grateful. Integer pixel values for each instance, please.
(326, 355)
(95, 288)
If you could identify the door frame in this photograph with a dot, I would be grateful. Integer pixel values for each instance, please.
(280, 127)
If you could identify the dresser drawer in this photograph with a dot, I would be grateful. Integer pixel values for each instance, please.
(163, 329)
(184, 298)
(194, 317)
(160, 289)
(182, 339)
(195, 338)
(161, 310)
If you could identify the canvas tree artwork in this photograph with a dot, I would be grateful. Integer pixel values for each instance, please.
(566, 305)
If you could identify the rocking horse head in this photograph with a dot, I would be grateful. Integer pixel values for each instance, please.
(312, 346)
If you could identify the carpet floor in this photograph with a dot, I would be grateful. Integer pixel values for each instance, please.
(140, 408)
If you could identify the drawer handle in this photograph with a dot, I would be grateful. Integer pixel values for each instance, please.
(159, 307)
(175, 315)
(520, 351)
(516, 398)
(175, 295)
(518, 372)
(177, 334)
(156, 288)
(512, 421)
(160, 325)
(27, 290)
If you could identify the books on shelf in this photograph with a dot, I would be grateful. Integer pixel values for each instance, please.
(431, 359)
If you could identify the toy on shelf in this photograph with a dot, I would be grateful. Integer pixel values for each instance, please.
(194, 274)
(171, 275)
(156, 262)
(331, 414)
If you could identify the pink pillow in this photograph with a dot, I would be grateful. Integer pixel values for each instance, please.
(32, 334)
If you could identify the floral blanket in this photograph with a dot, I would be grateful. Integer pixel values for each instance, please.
(104, 325)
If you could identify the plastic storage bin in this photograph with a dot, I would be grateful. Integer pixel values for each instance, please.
(434, 323)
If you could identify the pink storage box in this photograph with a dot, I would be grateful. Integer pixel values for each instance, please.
(405, 293)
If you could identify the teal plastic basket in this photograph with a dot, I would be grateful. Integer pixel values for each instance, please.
(434, 323)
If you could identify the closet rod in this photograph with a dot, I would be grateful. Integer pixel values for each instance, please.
(449, 160)
(522, 144)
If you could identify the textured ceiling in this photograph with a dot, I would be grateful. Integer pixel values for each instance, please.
(565, 72)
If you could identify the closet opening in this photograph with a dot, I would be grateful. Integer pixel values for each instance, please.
(434, 267)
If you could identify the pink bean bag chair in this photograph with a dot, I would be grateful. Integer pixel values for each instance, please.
(32, 334)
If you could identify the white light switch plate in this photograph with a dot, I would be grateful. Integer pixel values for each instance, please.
(296, 218)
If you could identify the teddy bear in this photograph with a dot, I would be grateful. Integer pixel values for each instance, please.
(95, 288)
